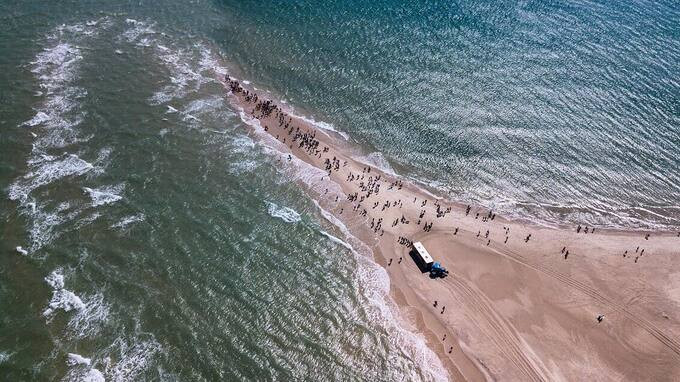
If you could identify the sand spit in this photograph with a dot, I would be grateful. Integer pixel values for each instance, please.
(521, 301)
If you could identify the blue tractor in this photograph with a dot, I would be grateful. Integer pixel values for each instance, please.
(437, 271)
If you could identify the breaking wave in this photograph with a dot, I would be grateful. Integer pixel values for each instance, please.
(105, 195)
(286, 214)
(62, 299)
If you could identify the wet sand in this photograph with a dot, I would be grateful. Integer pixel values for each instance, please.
(515, 309)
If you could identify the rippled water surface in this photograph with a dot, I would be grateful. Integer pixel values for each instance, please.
(146, 235)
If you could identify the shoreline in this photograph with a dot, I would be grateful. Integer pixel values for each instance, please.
(345, 140)
(503, 313)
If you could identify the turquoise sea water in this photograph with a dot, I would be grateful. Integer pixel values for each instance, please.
(163, 243)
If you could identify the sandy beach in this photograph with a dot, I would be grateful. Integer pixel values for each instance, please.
(521, 301)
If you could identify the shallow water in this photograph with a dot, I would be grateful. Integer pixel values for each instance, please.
(162, 242)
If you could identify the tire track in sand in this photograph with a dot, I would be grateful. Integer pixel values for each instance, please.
(498, 329)
(593, 293)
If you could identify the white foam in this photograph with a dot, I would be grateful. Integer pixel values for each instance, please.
(47, 172)
(139, 28)
(90, 318)
(22, 251)
(81, 370)
(242, 144)
(337, 240)
(204, 105)
(39, 118)
(5, 356)
(65, 300)
(132, 359)
(57, 65)
(61, 298)
(188, 117)
(55, 279)
(43, 222)
(77, 359)
(188, 71)
(102, 161)
(105, 195)
(171, 109)
(87, 220)
(242, 167)
(93, 375)
(129, 220)
(284, 213)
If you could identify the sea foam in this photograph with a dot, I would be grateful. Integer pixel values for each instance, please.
(284, 213)
(77, 359)
(48, 172)
(81, 369)
(132, 359)
(124, 222)
(61, 298)
(105, 195)
(5, 356)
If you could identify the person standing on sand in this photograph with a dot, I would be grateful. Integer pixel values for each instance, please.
(443, 309)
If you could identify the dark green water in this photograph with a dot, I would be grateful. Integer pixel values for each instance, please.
(163, 243)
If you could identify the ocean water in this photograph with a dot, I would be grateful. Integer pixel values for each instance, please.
(146, 235)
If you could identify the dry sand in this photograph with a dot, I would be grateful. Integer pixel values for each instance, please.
(515, 311)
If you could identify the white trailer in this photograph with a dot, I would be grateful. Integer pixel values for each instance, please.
(424, 257)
